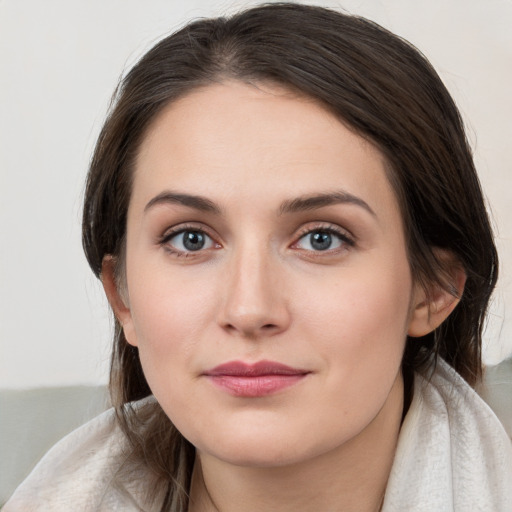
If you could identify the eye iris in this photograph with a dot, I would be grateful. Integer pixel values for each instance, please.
(193, 240)
(320, 241)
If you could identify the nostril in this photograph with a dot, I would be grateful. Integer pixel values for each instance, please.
(251, 329)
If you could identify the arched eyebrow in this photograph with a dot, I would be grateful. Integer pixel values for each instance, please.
(192, 201)
(298, 204)
(313, 202)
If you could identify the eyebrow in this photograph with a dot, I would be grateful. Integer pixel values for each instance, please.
(192, 201)
(313, 202)
(299, 204)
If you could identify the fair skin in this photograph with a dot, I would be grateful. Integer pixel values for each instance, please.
(260, 228)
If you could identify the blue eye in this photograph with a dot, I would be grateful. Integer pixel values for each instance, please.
(322, 240)
(189, 240)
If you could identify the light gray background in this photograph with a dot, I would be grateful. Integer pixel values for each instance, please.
(60, 61)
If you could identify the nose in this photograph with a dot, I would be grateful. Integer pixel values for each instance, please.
(254, 303)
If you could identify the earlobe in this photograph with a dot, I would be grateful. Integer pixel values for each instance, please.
(430, 309)
(116, 299)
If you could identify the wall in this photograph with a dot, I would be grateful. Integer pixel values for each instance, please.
(60, 62)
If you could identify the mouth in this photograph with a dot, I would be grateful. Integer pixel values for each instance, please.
(254, 380)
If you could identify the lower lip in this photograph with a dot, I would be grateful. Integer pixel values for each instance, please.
(255, 386)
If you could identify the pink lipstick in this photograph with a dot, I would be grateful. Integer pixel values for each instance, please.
(254, 380)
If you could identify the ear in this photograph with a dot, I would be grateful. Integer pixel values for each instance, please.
(430, 308)
(117, 299)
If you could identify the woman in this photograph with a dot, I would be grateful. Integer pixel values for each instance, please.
(285, 216)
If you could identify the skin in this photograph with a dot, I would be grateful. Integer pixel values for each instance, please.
(259, 290)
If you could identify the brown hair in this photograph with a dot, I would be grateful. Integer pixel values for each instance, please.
(375, 82)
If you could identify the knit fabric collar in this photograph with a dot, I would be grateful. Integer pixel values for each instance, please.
(452, 453)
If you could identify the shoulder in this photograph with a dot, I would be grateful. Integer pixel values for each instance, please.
(79, 472)
(453, 454)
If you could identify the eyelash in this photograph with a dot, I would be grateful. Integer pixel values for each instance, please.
(169, 235)
(330, 229)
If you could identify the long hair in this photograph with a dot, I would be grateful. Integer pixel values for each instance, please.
(374, 82)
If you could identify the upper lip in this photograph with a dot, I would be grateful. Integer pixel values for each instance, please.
(261, 368)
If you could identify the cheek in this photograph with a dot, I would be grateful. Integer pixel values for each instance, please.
(170, 316)
(358, 329)
(170, 312)
(358, 323)
(165, 301)
(358, 302)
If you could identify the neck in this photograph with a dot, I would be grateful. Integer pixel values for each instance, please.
(351, 478)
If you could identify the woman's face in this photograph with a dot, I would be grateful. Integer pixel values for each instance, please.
(268, 286)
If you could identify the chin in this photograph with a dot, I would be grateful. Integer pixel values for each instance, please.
(260, 456)
(263, 449)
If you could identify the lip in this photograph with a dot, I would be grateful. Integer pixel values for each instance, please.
(254, 380)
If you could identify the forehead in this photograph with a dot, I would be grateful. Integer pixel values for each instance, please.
(244, 140)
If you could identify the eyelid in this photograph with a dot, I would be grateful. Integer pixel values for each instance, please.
(345, 235)
(173, 231)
